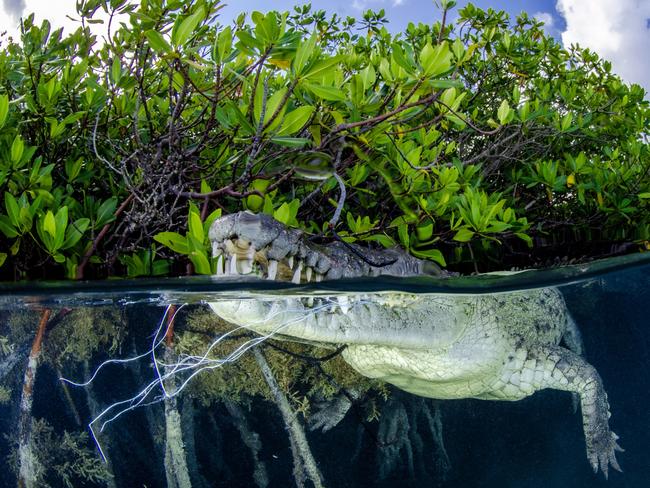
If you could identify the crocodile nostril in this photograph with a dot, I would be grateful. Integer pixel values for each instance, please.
(242, 244)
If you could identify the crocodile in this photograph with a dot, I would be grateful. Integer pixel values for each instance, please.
(501, 346)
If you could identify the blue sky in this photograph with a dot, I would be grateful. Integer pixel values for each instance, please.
(400, 13)
(618, 30)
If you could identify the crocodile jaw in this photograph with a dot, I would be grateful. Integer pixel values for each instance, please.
(256, 244)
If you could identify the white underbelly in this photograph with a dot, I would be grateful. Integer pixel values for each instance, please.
(454, 372)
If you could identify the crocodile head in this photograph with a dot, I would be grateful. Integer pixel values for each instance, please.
(256, 244)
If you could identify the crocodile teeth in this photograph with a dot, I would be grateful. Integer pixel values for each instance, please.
(245, 266)
(310, 301)
(230, 246)
(296, 275)
(308, 273)
(220, 262)
(232, 265)
(272, 270)
(344, 304)
(319, 277)
(290, 261)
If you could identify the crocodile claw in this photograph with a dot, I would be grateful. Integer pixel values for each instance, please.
(331, 412)
(602, 453)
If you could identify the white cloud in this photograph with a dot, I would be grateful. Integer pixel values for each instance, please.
(549, 22)
(362, 5)
(56, 11)
(13, 7)
(616, 29)
(545, 17)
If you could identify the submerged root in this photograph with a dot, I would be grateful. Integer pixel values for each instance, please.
(252, 440)
(175, 463)
(304, 463)
(65, 459)
(28, 463)
(176, 471)
(94, 408)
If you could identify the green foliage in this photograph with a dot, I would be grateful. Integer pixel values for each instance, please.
(21, 326)
(55, 234)
(482, 140)
(5, 346)
(195, 244)
(82, 332)
(63, 459)
(5, 395)
(144, 263)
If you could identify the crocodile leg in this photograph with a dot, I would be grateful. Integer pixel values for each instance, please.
(572, 339)
(558, 368)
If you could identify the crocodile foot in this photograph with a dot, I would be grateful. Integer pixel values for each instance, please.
(582, 378)
(330, 413)
(561, 369)
(600, 440)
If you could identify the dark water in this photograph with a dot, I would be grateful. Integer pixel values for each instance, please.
(233, 437)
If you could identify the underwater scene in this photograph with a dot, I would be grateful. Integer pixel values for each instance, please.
(530, 379)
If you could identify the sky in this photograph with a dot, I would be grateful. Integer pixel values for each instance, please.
(618, 30)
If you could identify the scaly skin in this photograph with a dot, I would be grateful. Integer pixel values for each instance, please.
(493, 347)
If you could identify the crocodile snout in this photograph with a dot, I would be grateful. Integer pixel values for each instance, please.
(247, 243)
